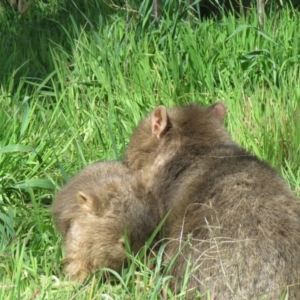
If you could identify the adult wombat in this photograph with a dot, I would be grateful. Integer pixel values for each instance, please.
(94, 211)
(233, 220)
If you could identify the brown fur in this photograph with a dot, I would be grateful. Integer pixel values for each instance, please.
(93, 212)
(233, 220)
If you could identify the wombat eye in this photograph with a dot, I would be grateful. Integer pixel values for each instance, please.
(122, 242)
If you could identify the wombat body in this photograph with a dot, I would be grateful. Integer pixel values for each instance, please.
(94, 211)
(233, 220)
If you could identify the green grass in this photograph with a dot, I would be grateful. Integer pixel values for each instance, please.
(75, 81)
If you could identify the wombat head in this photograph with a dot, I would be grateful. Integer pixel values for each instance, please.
(97, 237)
(94, 242)
(165, 131)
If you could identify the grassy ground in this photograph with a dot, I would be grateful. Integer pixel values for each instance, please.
(75, 81)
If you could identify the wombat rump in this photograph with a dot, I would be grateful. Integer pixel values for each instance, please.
(95, 210)
(233, 222)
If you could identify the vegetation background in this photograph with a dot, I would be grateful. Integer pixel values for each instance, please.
(76, 77)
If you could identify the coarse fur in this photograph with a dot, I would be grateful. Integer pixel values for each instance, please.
(95, 210)
(233, 222)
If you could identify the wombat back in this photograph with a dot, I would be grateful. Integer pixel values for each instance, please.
(242, 240)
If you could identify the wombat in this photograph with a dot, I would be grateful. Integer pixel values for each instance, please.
(233, 225)
(94, 211)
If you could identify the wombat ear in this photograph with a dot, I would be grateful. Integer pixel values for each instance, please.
(159, 121)
(86, 203)
(219, 110)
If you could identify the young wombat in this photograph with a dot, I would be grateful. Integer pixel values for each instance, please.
(94, 211)
(233, 220)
